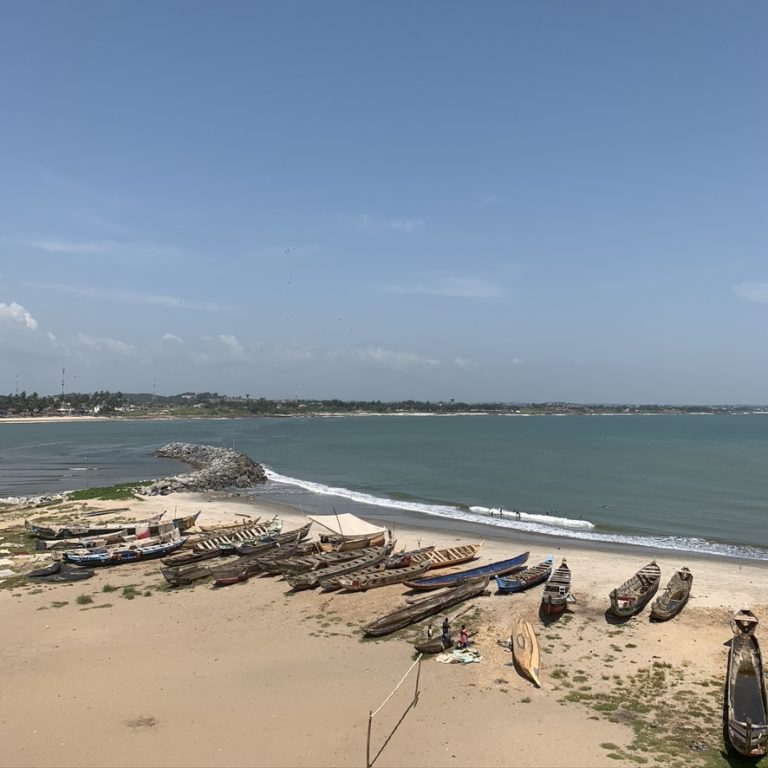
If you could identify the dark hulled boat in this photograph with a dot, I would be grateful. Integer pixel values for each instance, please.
(674, 597)
(500, 568)
(525, 579)
(746, 695)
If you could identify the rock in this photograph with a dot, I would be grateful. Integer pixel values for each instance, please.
(216, 469)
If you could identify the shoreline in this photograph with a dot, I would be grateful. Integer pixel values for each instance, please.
(211, 673)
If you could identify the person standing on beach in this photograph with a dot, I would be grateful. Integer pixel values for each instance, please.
(446, 636)
(429, 631)
(463, 637)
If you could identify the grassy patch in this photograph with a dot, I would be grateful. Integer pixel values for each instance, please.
(129, 592)
(59, 603)
(84, 599)
(109, 588)
(119, 492)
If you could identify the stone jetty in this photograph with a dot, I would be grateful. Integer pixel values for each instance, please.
(216, 469)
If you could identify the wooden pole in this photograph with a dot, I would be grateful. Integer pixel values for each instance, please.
(368, 744)
(418, 675)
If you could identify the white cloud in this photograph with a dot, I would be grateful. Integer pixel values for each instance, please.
(172, 338)
(757, 292)
(388, 358)
(225, 347)
(135, 297)
(124, 249)
(101, 344)
(467, 365)
(15, 313)
(517, 361)
(457, 287)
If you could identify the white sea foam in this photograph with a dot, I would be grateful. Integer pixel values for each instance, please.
(531, 523)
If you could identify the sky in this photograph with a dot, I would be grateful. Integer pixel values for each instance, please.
(497, 201)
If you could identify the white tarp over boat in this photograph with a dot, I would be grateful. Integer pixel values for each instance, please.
(346, 524)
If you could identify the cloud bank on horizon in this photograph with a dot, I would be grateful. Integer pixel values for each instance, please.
(534, 203)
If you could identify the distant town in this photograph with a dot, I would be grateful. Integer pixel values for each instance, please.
(212, 404)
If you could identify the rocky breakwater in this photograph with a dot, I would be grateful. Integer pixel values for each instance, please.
(217, 469)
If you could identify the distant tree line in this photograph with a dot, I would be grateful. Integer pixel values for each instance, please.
(190, 404)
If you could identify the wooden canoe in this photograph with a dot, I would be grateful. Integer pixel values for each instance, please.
(435, 645)
(445, 558)
(525, 579)
(355, 582)
(232, 526)
(500, 568)
(320, 560)
(633, 595)
(746, 694)
(557, 591)
(674, 597)
(392, 570)
(404, 617)
(525, 648)
(311, 579)
(336, 543)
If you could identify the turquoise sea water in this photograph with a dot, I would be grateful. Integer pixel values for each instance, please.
(683, 482)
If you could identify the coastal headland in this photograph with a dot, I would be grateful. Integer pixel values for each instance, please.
(121, 670)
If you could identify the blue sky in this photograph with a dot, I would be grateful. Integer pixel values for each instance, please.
(516, 201)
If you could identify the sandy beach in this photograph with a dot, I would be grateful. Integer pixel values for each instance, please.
(118, 670)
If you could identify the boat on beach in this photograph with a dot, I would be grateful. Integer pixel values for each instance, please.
(124, 554)
(348, 532)
(674, 597)
(84, 542)
(525, 650)
(311, 579)
(525, 579)
(557, 591)
(59, 571)
(244, 566)
(319, 560)
(151, 527)
(450, 556)
(404, 617)
(360, 582)
(633, 595)
(499, 568)
(253, 547)
(746, 692)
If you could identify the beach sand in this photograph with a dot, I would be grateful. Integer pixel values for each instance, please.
(256, 675)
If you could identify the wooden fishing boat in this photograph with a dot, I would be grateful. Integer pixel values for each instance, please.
(320, 560)
(557, 591)
(254, 547)
(150, 527)
(525, 579)
(746, 694)
(525, 649)
(396, 562)
(674, 597)
(123, 554)
(219, 528)
(431, 605)
(84, 542)
(215, 541)
(450, 556)
(245, 566)
(311, 579)
(500, 568)
(347, 531)
(181, 575)
(226, 547)
(271, 564)
(60, 572)
(360, 582)
(633, 595)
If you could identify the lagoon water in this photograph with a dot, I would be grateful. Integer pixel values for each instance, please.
(690, 482)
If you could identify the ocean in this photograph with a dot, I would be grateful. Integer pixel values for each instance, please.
(690, 483)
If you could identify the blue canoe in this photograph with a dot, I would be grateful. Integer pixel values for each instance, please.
(454, 579)
(118, 556)
(530, 577)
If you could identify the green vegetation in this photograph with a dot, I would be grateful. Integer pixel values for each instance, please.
(84, 599)
(109, 588)
(119, 492)
(130, 592)
(213, 404)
